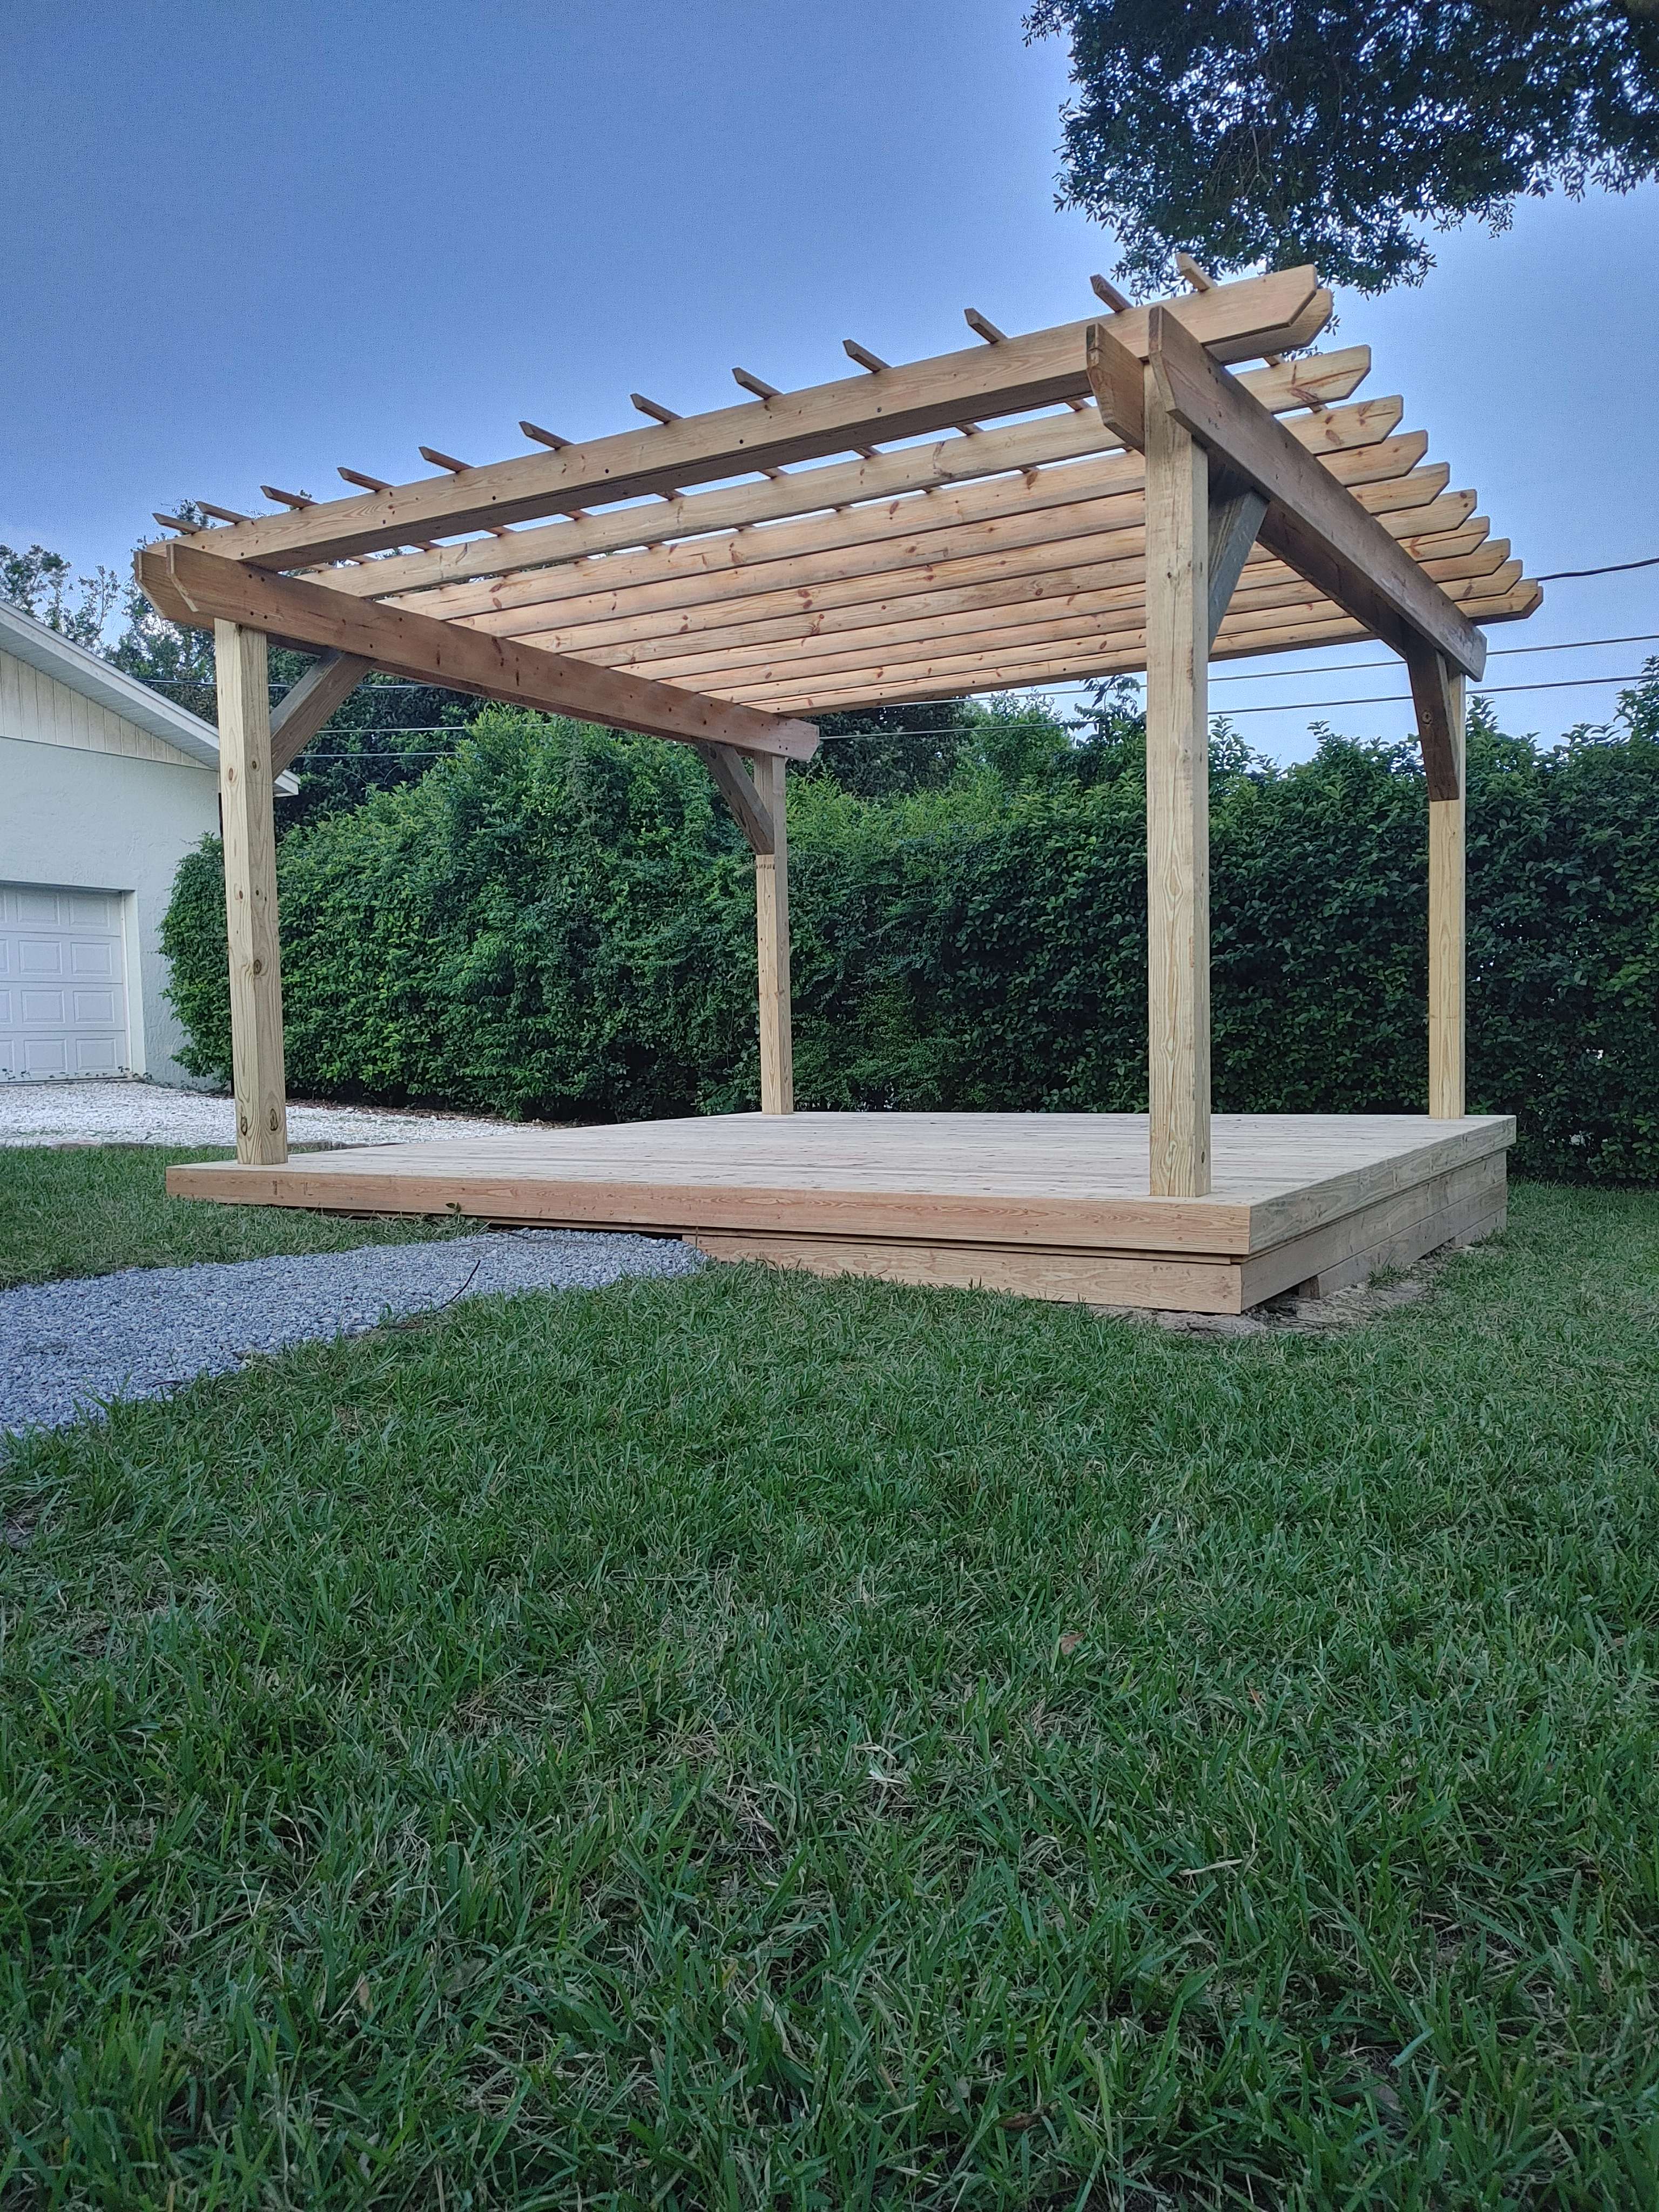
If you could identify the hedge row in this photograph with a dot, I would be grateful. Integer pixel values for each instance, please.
(559, 923)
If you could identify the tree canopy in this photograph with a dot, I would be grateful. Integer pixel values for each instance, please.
(1334, 130)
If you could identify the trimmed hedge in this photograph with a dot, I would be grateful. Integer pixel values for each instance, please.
(559, 923)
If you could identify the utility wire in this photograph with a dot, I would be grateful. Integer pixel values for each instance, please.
(1255, 676)
(1403, 698)
(1612, 568)
(1389, 661)
(955, 729)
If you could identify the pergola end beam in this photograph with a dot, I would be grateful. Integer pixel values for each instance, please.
(201, 589)
(1276, 313)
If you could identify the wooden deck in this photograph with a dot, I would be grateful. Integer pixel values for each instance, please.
(1049, 1205)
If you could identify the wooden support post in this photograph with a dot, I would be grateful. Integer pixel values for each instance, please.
(772, 943)
(1446, 930)
(249, 847)
(1178, 800)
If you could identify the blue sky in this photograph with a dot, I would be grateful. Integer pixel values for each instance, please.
(246, 243)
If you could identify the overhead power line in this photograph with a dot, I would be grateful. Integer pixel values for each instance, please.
(955, 729)
(1253, 676)
(1612, 568)
(1391, 661)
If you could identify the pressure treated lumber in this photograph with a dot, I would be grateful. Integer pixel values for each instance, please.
(1087, 602)
(777, 1069)
(1045, 1205)
(248, 828)
(1435, 700)
(1274, 314)
(1447, 927)
(196, 587)
(1235, 518)
(1178, 801)
(1359, 443)
(1290, 622)
(326, 684)
(1317, 380)
(1010, 612)
(738, 787)
(1308, 523)
(1100, 578)
(1019, 543)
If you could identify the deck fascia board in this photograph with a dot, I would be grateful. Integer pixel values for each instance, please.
(1292, 1213)
(1229, 1226)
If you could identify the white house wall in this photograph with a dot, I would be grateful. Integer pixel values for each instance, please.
(36, 707)
(90, 802)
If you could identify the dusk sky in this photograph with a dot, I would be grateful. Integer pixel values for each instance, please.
(244, 244)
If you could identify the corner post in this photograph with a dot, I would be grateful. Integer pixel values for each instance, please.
(772, 943)
(242, 660)
(1178, 801)
(1446, 937)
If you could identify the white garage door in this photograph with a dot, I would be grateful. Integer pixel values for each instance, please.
(63, 983)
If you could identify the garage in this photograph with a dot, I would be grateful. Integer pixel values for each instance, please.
(107, 786)
(63, 983)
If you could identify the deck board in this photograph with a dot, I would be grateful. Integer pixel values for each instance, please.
(1070, 1185)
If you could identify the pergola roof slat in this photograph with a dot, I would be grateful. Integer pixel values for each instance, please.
(949, 564)
(1307, 623)
(1315, 380)
(720, 663)
(728, 557)
(1098, 494)
(1114, 557)
(1014, 544)
(1273, 314)
(1110, 610)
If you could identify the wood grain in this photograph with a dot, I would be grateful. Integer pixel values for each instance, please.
(1319, 380)
(1324, 537)
(1012, 1197)
(1177, 802)
(1274, 314)
(249, 838)
(200, 588)
(326, 684)
(777, 1067)
(1447, 927)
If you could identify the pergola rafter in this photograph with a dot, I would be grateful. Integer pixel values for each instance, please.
(1091, 499)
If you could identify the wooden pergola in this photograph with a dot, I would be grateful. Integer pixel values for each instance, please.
(1102, 497)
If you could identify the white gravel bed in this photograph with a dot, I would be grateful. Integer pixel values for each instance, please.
(115, 1112)
(69, 1349)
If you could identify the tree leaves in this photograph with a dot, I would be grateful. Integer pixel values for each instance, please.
(1335, 132)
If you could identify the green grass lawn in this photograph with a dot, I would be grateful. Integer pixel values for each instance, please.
(87, 1210)
(758, 1741)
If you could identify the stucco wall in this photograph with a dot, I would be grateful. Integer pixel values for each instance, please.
(107, 820)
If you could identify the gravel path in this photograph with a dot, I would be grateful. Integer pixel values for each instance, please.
(67, 1348)
(131, 1113)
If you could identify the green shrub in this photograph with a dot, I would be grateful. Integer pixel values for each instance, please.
(559, 922)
